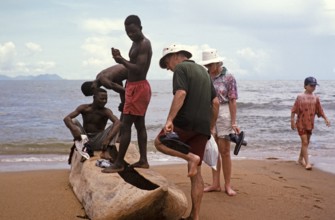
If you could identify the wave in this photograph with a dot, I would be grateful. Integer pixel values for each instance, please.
(46, 147)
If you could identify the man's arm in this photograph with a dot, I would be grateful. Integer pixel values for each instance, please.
(215, 112)
(320, 112)
(108, 84)
(177, 103)
(75, 131)
(142, 58)
(232, 110)
(117, 87)
(114, 131)
(293, 126)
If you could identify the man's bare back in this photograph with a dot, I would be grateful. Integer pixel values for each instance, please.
(112, 78)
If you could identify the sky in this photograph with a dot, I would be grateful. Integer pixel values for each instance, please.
(258, 39)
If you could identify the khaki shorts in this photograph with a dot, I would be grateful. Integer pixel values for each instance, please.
(223, 123)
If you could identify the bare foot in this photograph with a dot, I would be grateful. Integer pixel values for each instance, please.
(105, 155)
(193, 164)
(308, 167)
(301, 162)
(140, 164)
(113, 169)
(212, 189)
(230, 191)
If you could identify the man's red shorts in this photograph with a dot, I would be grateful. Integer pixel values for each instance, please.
(138, 96)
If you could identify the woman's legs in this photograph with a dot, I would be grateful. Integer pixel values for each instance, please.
(215, 187)
(224, 148)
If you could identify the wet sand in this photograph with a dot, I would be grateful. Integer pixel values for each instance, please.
(266, 189)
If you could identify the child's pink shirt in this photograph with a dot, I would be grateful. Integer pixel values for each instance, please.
(306, 106)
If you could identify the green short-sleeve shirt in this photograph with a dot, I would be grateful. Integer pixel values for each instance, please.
(195, 114)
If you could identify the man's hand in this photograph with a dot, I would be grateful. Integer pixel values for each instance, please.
(117, 55)
(105, 144)
(236, 129)
(121, 106)
(168, 127)
(293, 126)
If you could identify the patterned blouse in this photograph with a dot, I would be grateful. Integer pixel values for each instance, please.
(306, 106)
(225, 86)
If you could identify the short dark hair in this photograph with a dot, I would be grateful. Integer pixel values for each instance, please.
(133, 19)
(86, 88)
(98, 90)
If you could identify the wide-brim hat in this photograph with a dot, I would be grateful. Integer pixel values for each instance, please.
(173, 48)
(210, 56)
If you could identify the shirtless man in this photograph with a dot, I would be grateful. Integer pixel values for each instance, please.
(137, 95)
(110, 78)
(95, 117)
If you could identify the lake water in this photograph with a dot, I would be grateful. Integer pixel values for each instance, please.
(33, 135)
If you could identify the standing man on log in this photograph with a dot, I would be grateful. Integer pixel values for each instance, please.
(137, 95)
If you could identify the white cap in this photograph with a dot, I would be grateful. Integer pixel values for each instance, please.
(173, 48)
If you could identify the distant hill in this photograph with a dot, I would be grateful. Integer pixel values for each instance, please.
(38, 77)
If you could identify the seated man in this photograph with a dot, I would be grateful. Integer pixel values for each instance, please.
(95, 117)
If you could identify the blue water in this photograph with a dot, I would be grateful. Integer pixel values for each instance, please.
(33, 135)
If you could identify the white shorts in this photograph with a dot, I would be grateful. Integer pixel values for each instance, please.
(223, 123)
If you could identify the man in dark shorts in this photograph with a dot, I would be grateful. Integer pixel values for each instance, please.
(137, 95)
(192, 115)
(95, 117)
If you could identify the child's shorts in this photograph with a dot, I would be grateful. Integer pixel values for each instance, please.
(303, 131)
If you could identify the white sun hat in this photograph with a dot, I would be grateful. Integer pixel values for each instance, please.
(173, 48)
(211, 56)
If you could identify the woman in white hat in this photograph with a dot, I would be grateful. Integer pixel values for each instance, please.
(226, 89)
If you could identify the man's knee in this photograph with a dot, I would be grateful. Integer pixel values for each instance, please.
(139, 123)
(157, 144)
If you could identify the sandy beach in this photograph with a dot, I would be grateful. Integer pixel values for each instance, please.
(267, 189)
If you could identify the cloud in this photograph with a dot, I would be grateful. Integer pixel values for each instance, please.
(93, 62)
(35, 68)
(7, 56)
(103, 26)
(95, 45)
(33, 47)
(97, 50)
(13, 62)
(263, 38)
(106, 33)
(256, 61)
(325, 24)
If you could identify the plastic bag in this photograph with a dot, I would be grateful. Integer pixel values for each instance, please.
(211, 153)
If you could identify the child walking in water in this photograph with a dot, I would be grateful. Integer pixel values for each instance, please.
(306, 106)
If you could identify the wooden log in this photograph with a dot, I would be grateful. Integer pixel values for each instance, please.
(130, 194)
